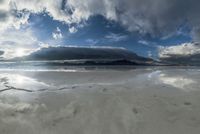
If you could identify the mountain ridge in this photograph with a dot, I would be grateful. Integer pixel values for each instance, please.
(95, 55)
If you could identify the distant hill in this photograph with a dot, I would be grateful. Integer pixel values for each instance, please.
(91, 55)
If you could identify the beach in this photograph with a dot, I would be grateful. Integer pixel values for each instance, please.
(148, 100)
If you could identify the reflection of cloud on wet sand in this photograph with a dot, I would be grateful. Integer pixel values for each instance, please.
(16, 116)
(180, 81)
(20, 82)
(177, 81)
(104, 114)
(100, 107)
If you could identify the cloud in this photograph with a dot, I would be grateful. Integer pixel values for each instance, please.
(1, 52)
(72, 30)
(150, 55)
(155, 17)
(181, 50)
(10, 17)
(13, 40)
(144, 42)
(186, 53)
(148, 43)
(112, 37)
(57, 34)
(92, 41)
(196, 34)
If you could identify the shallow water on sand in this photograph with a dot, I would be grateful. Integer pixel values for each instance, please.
(100, 100)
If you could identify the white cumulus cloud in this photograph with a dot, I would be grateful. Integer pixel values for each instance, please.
(144, 16)
(180, 50)
(57, 34)
(72, 30)
(183, 54)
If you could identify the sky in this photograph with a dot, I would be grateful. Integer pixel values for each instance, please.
(150, 28)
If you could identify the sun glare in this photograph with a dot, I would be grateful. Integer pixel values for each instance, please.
(20, 52)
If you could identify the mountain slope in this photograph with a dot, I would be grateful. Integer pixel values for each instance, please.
(81, 53)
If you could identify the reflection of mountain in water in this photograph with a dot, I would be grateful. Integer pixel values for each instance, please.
(87, 56)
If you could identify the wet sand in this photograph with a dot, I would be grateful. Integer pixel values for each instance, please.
(127, 101)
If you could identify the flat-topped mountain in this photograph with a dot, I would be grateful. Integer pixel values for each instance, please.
(119, 55)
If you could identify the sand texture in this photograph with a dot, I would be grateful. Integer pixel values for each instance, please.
(129, 101)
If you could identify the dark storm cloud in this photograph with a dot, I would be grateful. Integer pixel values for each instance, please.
(154, 17)
(1, 52)
(159, 17)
